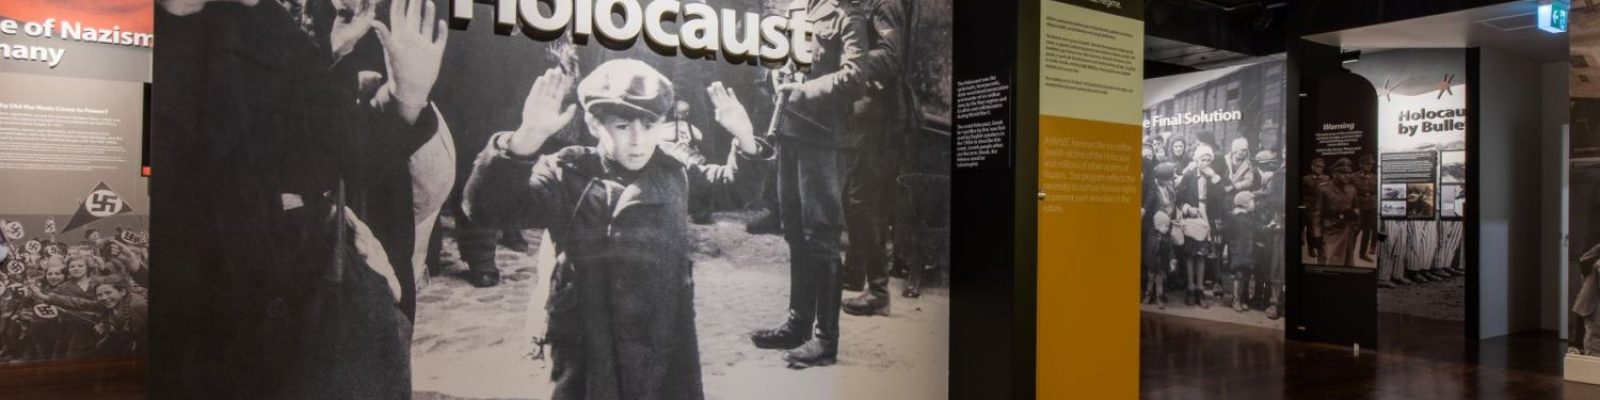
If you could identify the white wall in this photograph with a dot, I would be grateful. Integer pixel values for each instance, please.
(1552, 156)
(1509, 210)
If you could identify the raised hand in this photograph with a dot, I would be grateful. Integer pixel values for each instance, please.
(543, 113)
(413, 45)
(731, 114)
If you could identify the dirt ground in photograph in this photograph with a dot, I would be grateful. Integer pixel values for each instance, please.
(470, 343)
(1444, 299)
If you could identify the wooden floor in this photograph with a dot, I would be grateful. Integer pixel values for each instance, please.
(121, 378)
(1193, 359)
(1180, 359)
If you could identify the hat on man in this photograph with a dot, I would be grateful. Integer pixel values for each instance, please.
(1266, 156)
(1318, 163)
(1343, 166)
(627, 88)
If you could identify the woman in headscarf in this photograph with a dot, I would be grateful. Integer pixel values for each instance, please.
(1177, 153)
(1198, 195)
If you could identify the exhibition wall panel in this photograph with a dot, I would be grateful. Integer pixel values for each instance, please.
(1214, 252)
(1420, 179)
(1090, 74)
(1583, 355)
(620, 199)
(993, 205)
(74, 210)
(1505, 157)
(1338, 125)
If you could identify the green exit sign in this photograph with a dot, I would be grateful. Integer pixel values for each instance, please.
(1553, 15)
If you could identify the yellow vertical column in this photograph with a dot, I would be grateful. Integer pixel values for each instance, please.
(1090, 77)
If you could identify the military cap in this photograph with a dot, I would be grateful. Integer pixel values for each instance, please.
(1266, 155)
(1317, 162)
(627, 88)
(1343, 165)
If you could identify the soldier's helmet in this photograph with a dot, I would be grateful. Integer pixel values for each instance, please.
(626, 88)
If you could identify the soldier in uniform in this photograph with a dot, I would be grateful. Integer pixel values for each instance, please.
(683, 142)
(813, 139)
(1334, 219)
(882, 119)
(621, 296)
(1367, 197)
(1310, 184)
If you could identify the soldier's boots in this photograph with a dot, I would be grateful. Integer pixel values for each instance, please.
(785, 337)
(817, 352)
(867, 304)
(482, 277)
(513, 239)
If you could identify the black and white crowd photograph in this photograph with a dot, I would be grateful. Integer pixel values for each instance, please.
(74, 293)
(403, 199)
(1213, 204)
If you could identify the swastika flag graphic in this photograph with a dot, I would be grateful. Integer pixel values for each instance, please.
(100, 203)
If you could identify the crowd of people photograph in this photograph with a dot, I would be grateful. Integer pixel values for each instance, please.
(1213, 226)
(63, 298)
(1212, 218)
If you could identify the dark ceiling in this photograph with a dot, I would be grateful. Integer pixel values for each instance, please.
(1187, 35)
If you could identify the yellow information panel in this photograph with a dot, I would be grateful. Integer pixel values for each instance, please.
(1091, 74)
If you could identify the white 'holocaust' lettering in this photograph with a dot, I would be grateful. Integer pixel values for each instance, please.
(772, 38)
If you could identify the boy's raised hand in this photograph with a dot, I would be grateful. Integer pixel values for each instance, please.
(732, 116)
(543, 114)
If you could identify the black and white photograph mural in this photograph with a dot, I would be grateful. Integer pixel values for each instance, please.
(1420, 174)
(620, 200)
(1212, 216)
(1583, 257)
